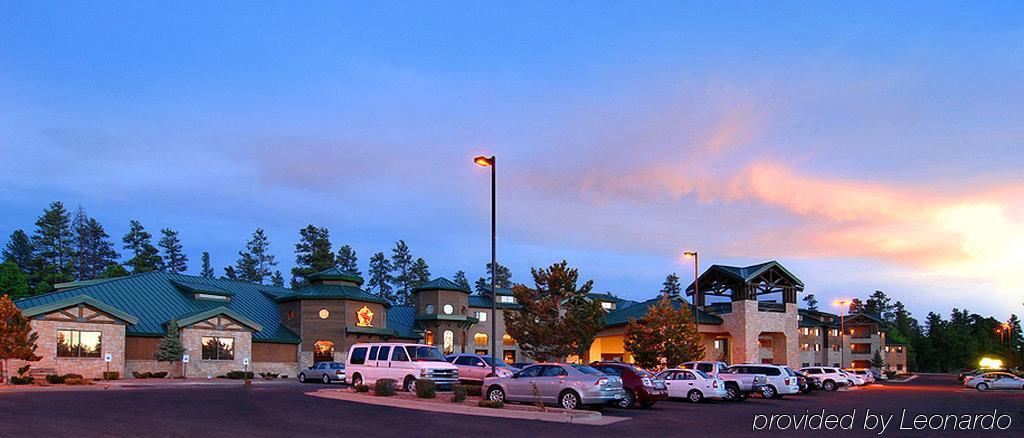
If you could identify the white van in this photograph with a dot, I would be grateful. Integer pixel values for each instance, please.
(402, 362)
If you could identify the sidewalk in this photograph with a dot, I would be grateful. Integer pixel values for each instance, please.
(141, 383)
(560, 416)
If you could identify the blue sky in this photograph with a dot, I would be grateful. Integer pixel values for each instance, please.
(868, 147)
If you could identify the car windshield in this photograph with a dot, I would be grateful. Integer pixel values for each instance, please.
(789, 371)
(501, 363)
(640, 372)
(424, 354)
(702, 374)
(587, 370)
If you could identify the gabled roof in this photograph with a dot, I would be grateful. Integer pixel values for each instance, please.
(441, 283)
(154, 299)
(608, 297)
(74, 284)
(192, 318)
(639, 310)
(74, 301)
(402, 319)
(333, 291)
(744, 275)
(443, 317)
(864, 315)
(334, 274)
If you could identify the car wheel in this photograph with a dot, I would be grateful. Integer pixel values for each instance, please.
(695, 396)
(495, 393)
(410, 384)
(732, 393)
(627, 400)
(829, 385)
(769, 392)
(302, 378)
(982, 387)
(569, 400)
(647, 404)
(326, 379)
(357, 380)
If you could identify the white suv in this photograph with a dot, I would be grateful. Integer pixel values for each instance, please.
(831, 378)
(781, 379)
(404, 363)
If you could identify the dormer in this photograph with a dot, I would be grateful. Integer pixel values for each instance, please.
(203, 291)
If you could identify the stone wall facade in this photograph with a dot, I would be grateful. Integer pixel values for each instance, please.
(111, 341)
(745, 323)
(191, 339)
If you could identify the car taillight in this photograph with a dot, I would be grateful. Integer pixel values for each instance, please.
(601, 381)
(787, 381)
(714, 384)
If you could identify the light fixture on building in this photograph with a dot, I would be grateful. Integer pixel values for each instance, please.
(324, 313)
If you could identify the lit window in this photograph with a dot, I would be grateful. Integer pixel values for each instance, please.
(218, 348)
(805, 346)
(449, 342)
(448, 309)
(482, 316)
(817, 332)
(817, 347)
(429, 309)
(323, 351)
(75, 343)
(507, 340)
(506, 299)
(324, 314)
(480, 339)
(428, 337)
(607, 306)
(291, 315)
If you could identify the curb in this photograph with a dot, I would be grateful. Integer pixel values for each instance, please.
(574, 417)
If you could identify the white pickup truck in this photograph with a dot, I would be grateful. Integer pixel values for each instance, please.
(737, 386)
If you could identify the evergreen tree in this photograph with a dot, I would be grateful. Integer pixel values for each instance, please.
(460, 279)
(555, 319)
(254, 263)
(347, 260)
(671, 286)
(19, 251)
(856, 306)
(312, 254)
(13, 281)
(877, 362)
(502, 281)
(170, 349)
(229, 273)
(100, 251)
(380, 277)
(53, 242)
(420, 274)
(401, 266)
(144, 256)
(114, 271)
(277, 279)
(174, 259)
(666, 335)
(812, 302)
(17, 340)
(207, 271)
(878, 305)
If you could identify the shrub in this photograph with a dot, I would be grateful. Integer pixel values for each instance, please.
(54, 379)
(458, 394)
(474, 390)
(362, 388)
(237, 375)
(15, 380)
(72, 376)
(111, 375)
(23, 370)
(76, 381)
(268, 376)
(426, 388)
(890, 374)
(159, 375)
(143, 375)
(496, 404)
(385, 387)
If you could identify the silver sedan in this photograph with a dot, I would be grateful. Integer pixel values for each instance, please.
(324, 372)
(571, 386)
(984, 382)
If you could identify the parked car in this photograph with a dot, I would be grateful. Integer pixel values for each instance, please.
(781, 379)
(854, 379)
(325, 372)
(571, 386)
(1000, 380)
(807, 383)
(641, 387)
(405, 363)
(694, 385)
(863, 373)
(831, 378)
(878, 375)
(738, 386)
(521, 365)
(474, 367)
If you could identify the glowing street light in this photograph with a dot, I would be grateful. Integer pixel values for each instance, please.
(696, 273)
(489, 162)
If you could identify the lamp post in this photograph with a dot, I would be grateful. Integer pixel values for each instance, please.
(489, 162)
(842, 329)
(696, 271)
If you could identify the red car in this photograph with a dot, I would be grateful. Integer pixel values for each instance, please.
(641, 387)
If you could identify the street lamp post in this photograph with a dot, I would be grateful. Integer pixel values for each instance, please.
(842, 330)
(489, 162)
(696, 273)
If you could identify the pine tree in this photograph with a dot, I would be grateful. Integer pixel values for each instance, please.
(277, 279)
(401, 266)
(878, 305)
(460, 279)
(555, 319)
(174, 259)
(207, 271)
(144, 256)
(229, 273)
(856, 306)
(347, 260)
(420, 273)
(93, 250)
(17, 340)
(253, 264)
(666, 334)
(13, 281)
(877, 362)
(170, 349)
(312, 254)
(502, 281)
(114, 271)
(812, 303)
(671, 286)
(19, 251)
(54, 248)
(380, 277)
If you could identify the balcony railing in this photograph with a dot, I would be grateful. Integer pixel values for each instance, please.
(764, 306)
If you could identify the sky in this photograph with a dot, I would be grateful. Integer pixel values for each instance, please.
(864, 146)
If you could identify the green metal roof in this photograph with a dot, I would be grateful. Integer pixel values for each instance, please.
(403, 320)
(155, 299)
(440, 283)
(484, 302)
(748, 273)
(331, 292)
(371, 331)
(334, 274)
(74, 284)
(74, 301)
(187, 320)
(639, 310)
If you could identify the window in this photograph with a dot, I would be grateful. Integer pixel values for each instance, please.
(531, 371)
(428, 309)
(75, 343)
(373, 352)
(428, 337)
(506, 299)
(835, 348)
(806, 364)
(705, 367)
(448, 339)
(215, 348)
(324, 313)
(399, 355)
(323, 351)
(464, 360)
(805, 347)
(358, 356)
(554, 371)
(509, 356)
(607, 306)
(448, 309)
(899, 367)
(291, 315)
(817, 347)
(480, 339)
(383, 353)
(482, 316)
(817, 332)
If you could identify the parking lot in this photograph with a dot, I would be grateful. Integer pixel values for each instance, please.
(283, 409)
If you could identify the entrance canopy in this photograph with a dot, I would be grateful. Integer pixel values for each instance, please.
(747, 283)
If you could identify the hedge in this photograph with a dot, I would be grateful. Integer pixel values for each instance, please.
(384, 387)
(426, 388)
